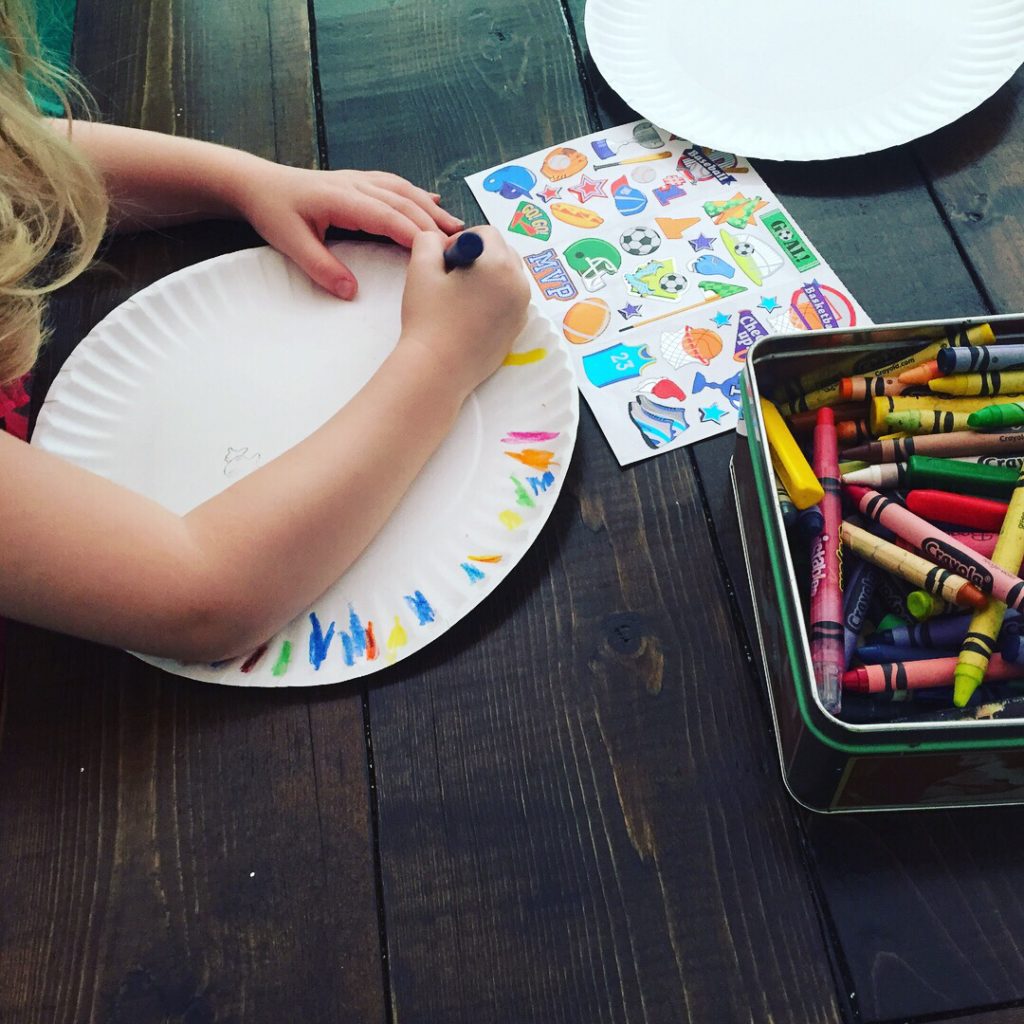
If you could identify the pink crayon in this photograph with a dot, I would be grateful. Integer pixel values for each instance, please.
(940, 547)
(828, 650)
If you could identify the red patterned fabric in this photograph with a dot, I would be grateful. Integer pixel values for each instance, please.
(14, 399)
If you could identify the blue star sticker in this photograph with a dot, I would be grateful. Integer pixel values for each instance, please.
(629, 310)
(721, 319)
(701, 242)
(712, 414)
(768, 303)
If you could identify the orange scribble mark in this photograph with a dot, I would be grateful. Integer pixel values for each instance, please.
(371, 643)
(535, 458)
(493, 559)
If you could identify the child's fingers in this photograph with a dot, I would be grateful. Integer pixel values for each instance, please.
(427, 251)
(313, 257)
(379, 218)
(407, 207)
(427, 201)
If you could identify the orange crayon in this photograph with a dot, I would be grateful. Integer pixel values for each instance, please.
(920, 374)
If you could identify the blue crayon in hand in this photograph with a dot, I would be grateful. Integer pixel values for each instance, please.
(463, 251)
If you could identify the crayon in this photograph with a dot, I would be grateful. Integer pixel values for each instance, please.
(980, 641)
(961, 477)
(918, 375)
(1007, 414)
(786, 507)
(1013, 461)
(789, 461)
(852, 389)
(913, 675)
(810, 522)
(958, 509)
(828, 394)
(982, 541)
(804, 422)
(925, 421)
(923, 606)
(828, 657)
(1010, 646)
(965, 442)
(853, 431)
(876, 654)
(913, 568)
(980, 358)
(879, 408)
(858, 590)
(940, 634)
(889, 622)
(883, 476)
(463, 251)
(998, 382)
(851, 466)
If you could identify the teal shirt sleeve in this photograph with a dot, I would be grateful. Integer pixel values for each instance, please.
(55, 20)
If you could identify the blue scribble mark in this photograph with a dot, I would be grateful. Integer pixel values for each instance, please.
(542, 483)
(355, 627)
(347, 649)
(221, 663)
(319, 643)
(472, 572)
(421, 606)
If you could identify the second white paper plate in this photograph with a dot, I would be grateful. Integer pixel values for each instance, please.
(795, 81)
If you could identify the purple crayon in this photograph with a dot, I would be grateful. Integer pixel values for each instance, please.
(828, 654)
(858, 590)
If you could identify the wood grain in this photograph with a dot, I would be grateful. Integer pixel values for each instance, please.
(579, 816)
(172, 851)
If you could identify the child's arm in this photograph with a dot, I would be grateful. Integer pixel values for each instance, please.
(82, 555)
(156, 179)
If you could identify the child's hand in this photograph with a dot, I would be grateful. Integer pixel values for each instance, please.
(466, 318)
(292, 208)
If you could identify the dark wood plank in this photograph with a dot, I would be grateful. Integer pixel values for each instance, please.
(579, 811)
(1004, 1015)
(175, 851)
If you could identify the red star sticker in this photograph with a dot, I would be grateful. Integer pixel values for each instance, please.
(549, 192)
(587, 188)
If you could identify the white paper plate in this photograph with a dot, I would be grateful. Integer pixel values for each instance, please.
(219, 368)
(795, 81)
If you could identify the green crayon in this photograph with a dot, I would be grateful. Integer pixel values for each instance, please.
(923, 605)
(926, 421)
(1007, 414)
(890, 621)
(924, 471)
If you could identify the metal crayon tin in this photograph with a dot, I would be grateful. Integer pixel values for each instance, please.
(924, 757)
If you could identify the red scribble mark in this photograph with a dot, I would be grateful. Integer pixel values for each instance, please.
(371, 643)
(250, 663)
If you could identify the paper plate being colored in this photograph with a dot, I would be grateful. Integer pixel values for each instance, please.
(215, 370)
(797, 81)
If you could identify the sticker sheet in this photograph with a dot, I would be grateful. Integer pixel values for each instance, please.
(660, 263)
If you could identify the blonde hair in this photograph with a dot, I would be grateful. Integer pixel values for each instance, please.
(52, 203)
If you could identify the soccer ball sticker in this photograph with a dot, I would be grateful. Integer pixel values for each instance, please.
(640, 241)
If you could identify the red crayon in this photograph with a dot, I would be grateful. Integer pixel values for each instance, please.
(939, 547)
(961, 509)
(918, 675)
(828, 648)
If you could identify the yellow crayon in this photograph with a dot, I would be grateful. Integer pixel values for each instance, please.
(789, 461)
(879, 408)
(913, 568)
(829, 393)
(924, 421)
(995, 382)
(980, 642)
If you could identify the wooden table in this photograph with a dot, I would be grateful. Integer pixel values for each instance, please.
(570, 808)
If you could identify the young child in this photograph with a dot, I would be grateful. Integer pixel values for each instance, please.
(82, 554)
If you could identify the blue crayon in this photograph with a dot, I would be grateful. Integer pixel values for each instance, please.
(858, 590)
(810, 522)
(1010, 646)
(875, 654)
(944, 633)
(464, 250)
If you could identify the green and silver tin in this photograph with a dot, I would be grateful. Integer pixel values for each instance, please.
(829, 764)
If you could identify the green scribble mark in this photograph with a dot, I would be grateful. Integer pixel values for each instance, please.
(281, 665)
(522, 494)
